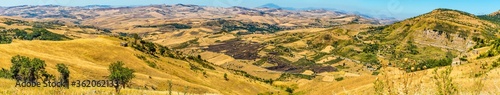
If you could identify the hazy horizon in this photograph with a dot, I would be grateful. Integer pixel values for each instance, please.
(400, 9)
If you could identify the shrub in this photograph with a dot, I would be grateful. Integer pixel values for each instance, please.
(289, 90)
(225, 77)
(304, 62)
(336, 60)
(494, 50)
(444, 82)
(339, 78)
(202, 62)
(151, 64)
(375, 73)
(369, 58)
(4, 73)
(371, 48)
(290, 75)
(431, 63)
(5, 40)
(172, 25)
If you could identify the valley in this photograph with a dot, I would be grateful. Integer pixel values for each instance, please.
(193, 49)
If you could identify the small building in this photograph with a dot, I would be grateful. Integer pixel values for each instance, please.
(456, 62)
(124, 44)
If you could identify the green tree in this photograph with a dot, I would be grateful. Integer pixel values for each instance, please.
(64, 71)
(289, 90)
(122, 75)
(5, 40)
(151, 47)
(135, 36)
(26, 69)
(225, 77)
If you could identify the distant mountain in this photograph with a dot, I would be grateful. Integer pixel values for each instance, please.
(97, 6)
(384, 19)
(106, 16)
(274, 6)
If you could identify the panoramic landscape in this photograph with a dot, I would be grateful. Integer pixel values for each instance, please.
(236, 47)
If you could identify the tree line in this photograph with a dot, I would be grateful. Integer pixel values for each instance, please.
(25, 69)
(6, 36)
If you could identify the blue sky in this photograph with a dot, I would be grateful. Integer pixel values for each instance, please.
(392, 8)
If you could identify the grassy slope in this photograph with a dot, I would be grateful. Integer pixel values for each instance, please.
(89, 58)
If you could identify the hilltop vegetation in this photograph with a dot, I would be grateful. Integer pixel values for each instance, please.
(442, 28)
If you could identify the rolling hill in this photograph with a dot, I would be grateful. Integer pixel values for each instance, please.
(442, 33)
(88, 58)
(246, 51)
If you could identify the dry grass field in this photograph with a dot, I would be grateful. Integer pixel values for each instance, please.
(89, 58)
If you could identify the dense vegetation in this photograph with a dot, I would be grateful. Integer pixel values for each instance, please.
(155, 50)
(430, 63)
(494, 50)
(169, 25)
(232, 25)
(26, 69)
(6, 36)
(493, 19)
(286, 76)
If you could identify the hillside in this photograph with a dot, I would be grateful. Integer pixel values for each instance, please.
(442, 33)
(493, 17)
(192, 49)
(88, 58)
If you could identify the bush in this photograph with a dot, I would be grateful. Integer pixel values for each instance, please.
(290, 75)
(4, 73)
(172, 25)
(444, 82)
(5, 40)
(375, 73)
(289, 90)
(369, 58)
(494, 50)
(8, 22)
(151, 64)
(336, 60)
(339, 78)
(304, 62)
(371, 48)
(431, 63)
(261, 61)
(202, 62)
(225, 77)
